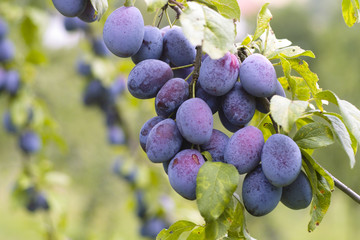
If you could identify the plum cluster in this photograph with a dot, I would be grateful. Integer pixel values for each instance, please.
(81, 9)
(183, 127)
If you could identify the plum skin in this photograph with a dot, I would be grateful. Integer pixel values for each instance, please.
(258, 76)
(281, 160)
(183, 170)
(195, 121)
(298, 194)
(244, 149)
(260, 197)
(124, 31)
(164, 141)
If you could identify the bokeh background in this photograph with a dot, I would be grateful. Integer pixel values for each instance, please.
(89, 202)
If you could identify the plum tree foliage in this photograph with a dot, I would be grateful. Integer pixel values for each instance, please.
(194, 70)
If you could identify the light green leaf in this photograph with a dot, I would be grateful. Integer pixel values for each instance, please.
(343, 136)
(314, 135)
(227, 8)
(285, 112)
(100, 7)
(196, 234)
(292, 52)
(350, 11)
(318, 169)
(204, 26)
(311, 79)
(207, 155)
(175, 230)
(152, 5)
(286, 66)
(328, 96)
(351, 117)
(320, 203)
(29, 31)
(215, 184)
(263, 20)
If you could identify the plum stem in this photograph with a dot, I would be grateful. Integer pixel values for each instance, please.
(196, 71)
(128, 3)
(181, 67)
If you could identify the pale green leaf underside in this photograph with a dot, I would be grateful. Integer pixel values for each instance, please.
(204, 26)
(227, 8)
(100, 7)
(285, 112)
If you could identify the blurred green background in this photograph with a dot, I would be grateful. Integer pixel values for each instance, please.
(89, 202)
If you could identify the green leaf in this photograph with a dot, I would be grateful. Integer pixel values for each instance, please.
(263, 20)
(217, 229)
(204, 26)
(207, 155)
(286, 66)
(36, 56)
(175, 230)
(350, 11)
(29, 31)
(351, 117)
(320, 203)
(285, 112)
(227, 8)
(293, 52)
(100, 7)
(196, 234)
(350, 114)
(215, 184)
(311, 79)
(152, 5)
(318, 169)
(314, 135)
(343, 135)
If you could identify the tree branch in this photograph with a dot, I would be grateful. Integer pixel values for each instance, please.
(345, 189)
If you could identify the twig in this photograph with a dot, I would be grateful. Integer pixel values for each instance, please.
(176, 6)
(345, 189)
(196, 70)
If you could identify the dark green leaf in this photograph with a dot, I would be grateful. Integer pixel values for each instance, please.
(216, 182)
(263, 20)
(285, 112)
(204, 26)
(350, 11)
(175, 230)
(314, 135)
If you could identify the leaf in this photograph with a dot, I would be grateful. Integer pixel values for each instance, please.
(322, 184)
(318, 169)
(215, 184)
(152, 5)
(320, 203)
(343, 136)
(100, 7)
(262, 22)
(314, 135)
(29, 31)
(196, 234)
(207, 155)
(217, 229)
(350, 11)
(285, 112)
(310, 78)
(350, 114)
(175, 230)
(204, 26)
(227, 8)
(351, 117)
(293, 52)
